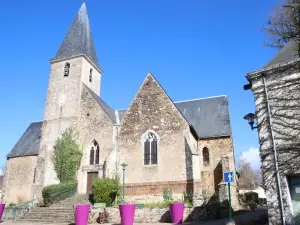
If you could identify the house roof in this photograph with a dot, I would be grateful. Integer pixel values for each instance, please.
(287, 53)
(208, 116)
(79, 38)
(106, 108)
(29, 143)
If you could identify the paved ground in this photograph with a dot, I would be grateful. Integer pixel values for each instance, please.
(240, 219)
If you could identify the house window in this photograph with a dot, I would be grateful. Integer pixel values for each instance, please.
(67, 69)
(91, 75)
(150, 149)
(205, 153)
(94, 153)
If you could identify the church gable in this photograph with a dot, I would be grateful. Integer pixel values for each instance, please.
(95, 122)
(152, 109)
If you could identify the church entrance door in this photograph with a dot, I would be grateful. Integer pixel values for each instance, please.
(91, 176)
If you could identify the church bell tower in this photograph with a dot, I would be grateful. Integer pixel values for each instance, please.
(74, 65)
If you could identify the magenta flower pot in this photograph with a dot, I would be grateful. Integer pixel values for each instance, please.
(127, 213)
(176, 211)
(82, 214)
(2, 207)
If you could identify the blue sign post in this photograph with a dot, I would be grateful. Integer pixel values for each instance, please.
(228, 178)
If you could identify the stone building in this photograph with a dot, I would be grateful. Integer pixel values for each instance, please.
(277, 85)
(184, 145)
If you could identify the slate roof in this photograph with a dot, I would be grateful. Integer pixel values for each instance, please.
(287, 53)
(121, 113)
(107, 109)
(208, 116)
(79, 38)
(29, 143)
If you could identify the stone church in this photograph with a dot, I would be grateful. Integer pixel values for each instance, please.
(185, 146)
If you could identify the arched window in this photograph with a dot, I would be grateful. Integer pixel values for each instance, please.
(205, 153)
(150, 149)
(92, 156)
(67, 69)
(97, 153)
(91, 75)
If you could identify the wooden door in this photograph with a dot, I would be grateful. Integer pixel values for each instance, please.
(91, 176)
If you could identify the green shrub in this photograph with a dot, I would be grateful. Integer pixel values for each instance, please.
(58, 192)
(188, 198)
(67, 156)
(251, 197)
(106, 190)
(167, 195)
(262, 201)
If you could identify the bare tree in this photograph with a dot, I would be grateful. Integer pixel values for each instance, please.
(249, 179)
(284, 24)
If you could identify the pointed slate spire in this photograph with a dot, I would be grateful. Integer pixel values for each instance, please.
(79, 39)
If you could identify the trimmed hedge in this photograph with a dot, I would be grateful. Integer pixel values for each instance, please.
(58, 192)
(106, 190)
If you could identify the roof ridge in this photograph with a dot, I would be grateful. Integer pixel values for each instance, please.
(196, 99)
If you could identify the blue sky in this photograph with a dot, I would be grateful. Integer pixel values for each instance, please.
(194, 48)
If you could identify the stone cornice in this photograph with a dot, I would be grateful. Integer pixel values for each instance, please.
(257, 74)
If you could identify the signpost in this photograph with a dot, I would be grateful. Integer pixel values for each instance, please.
(228, 178)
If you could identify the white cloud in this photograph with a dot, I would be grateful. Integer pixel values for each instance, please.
(1, 172)
(252, 156)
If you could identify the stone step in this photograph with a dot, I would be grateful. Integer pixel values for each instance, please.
(51, 209)
(70, 217)
(51, 213)
(44, 221)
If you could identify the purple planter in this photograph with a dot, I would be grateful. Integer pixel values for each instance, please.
(127, 213)
(176, 211)
(82, 214)
(2, 207)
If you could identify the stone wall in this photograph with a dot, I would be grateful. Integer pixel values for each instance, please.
(12, 213)
(152, 110)
(156, 215)
(153, 191)
(221, 159)
(212, 174)
(94, 125)
(62, 111)
(18, 179)
(284, 99)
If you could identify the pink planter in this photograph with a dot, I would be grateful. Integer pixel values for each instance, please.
(82, 214)
(127, 213)
(176, 211)
(2, 207)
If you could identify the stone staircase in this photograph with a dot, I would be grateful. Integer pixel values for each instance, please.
(60, 213)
